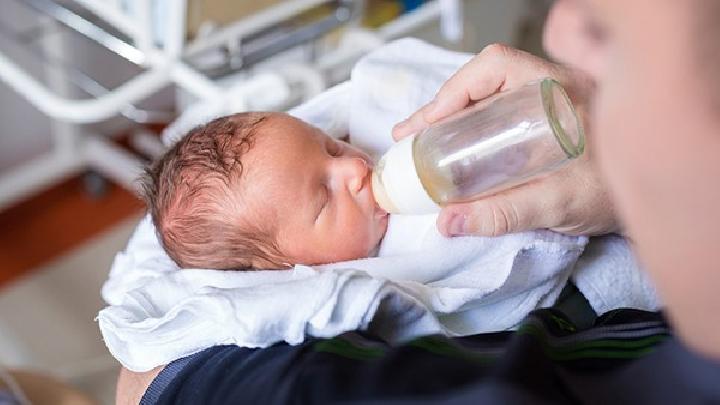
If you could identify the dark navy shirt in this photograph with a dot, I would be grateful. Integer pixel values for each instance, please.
(625, 356)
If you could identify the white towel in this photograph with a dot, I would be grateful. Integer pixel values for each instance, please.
(421, 283)
(609, 277)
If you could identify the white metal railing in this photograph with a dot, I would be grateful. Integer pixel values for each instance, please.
(164, 65)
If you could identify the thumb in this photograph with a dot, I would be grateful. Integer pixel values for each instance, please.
(514, 211)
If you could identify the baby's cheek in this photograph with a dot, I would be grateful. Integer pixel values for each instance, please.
(358, 243)
(359, 239)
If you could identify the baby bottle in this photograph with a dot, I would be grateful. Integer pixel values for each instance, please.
(498, 143)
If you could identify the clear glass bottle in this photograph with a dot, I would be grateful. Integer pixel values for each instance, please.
(498, 143)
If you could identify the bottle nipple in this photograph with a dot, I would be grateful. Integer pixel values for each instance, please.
(396, 184)
(380, 194)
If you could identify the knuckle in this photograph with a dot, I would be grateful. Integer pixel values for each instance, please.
(499, 224)
(410, 121)
(495, 49)
(451, 86)
(414, 121)
(503, 218)
(421, 115)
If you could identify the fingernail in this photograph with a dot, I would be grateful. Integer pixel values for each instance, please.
(456, 225)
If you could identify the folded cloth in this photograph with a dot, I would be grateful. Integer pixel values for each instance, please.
(471, 284)
(609, 277)
(420, 283)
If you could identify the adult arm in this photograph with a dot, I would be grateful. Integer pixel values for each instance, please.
(131, 385)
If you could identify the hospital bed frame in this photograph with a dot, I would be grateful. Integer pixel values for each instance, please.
(165, 62)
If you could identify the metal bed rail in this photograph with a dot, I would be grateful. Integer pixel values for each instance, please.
(165, 62)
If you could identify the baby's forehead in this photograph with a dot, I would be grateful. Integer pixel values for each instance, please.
(284, 145)
(286, 138)
(278, 167)
(291, 128)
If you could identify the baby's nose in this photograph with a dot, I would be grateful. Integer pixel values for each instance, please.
(354, 171)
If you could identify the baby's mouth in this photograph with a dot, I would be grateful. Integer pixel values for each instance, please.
(379, 212)
(377, 209)
(367, 182)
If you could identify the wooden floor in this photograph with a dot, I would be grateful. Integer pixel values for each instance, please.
(55, 221)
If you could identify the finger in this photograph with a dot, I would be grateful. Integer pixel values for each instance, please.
(481, 77)
(414, 123)
(525, 208)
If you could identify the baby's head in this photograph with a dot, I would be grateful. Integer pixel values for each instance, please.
(262, 191)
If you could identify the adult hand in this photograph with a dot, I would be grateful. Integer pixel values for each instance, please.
(572, 200)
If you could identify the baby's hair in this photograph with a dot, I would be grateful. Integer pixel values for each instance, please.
(192, 193)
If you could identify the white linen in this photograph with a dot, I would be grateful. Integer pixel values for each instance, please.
(610, 278)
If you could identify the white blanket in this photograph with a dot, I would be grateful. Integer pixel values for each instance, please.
(421, 282)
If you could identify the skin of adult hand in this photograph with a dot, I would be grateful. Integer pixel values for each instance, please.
(572, 200)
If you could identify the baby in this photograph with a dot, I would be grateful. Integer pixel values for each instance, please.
(263, 191)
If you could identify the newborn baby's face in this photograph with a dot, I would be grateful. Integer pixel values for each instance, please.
(319, 189)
